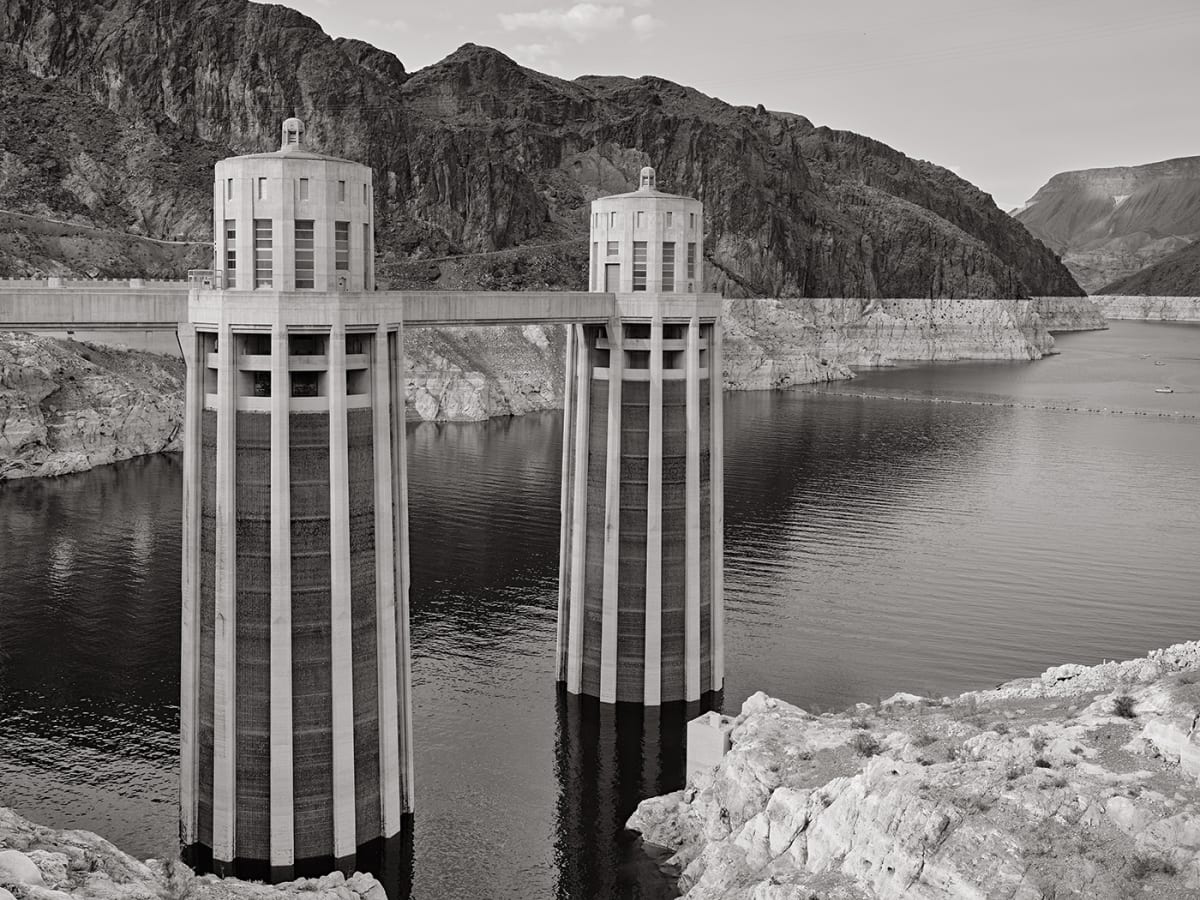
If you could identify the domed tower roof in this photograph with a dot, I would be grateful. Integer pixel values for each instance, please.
(293, 134)
(647, 181)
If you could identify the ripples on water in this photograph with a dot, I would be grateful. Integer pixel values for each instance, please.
(872, 546)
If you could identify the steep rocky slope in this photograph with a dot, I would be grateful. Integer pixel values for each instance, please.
(1177, 275)
(39, 863)
(476, 154)
(1079, 784)
(67, 406)
(1109, 223)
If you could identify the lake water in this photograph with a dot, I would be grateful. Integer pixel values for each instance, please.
(934, 528)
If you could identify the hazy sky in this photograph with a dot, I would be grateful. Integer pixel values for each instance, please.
(1004, 93)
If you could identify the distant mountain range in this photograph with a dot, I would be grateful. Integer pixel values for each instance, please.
(1108, 224)
(112, 113)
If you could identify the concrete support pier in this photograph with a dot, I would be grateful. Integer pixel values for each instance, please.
(641, 582)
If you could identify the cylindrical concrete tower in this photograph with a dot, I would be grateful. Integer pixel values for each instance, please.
(295, 711)
(641, 615)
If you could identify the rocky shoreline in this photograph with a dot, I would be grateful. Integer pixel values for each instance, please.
(1082, 782)
(66, 406)
(40, 863)
(1151, 309)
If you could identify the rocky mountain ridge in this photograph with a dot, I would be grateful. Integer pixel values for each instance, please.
(1110, 223)
(476, 154)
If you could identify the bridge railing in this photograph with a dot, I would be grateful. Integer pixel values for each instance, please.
(206, 279)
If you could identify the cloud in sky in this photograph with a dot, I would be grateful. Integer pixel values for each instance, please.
(644, 26)
(387, 25)
(582, 21)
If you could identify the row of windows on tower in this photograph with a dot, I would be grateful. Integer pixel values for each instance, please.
(304, 246)
(301, 186)
(639, 219)
(613, 252)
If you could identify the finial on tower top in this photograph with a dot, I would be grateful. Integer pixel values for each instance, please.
(648, 181)
(293, 134)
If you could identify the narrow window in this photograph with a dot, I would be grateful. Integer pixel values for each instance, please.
(692, 221)
(304, 254)
(669, 217)
(691, 262)
(262, 188)
(612, 220)
(639, 265)
(668, 267)
(341, 192)
(366, 253)
(303, 189)
(262, 253)
(341, 246)
(228, 188)
(230, 253)
(641, 219)
(366, 200)
(612, 248)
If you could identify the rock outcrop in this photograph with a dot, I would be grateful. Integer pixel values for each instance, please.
(1109, 223)
(67, 406)
(1177, 275)
(1154, 309)
(39, 863)
(1069, 313)
(1084, 783)
(475, 154)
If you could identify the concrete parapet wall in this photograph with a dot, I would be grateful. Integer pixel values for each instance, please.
(1154, 309)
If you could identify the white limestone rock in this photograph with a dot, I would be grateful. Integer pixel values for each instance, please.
(40, 863)
(1010, 793)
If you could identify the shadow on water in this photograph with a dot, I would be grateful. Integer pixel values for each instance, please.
(608, 757)
(390, 860)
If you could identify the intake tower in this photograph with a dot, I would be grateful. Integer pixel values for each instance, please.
(295, 710)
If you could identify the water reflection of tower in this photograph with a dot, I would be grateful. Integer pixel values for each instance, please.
(607, 758)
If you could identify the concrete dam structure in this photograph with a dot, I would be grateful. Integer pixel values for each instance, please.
(296, 734)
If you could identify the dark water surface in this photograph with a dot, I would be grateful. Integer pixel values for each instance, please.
(872, 545)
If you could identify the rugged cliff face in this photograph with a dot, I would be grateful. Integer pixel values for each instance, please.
(1109, 223)
(67, 406)
(1080, 783)
(476, 154)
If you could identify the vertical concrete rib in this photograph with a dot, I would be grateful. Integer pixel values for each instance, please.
(224, 655)
(716, 487)
(341, 650)
(391, 806)
(612, 516)
(401, 567)
(652, 687)
(189, 700)
(282, 815)
(579, 510)
(564, 518)
(691, 616)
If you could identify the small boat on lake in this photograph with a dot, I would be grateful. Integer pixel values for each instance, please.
(1159, 362)
(1164, 390)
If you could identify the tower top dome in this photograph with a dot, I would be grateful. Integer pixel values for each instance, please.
(293, 134)
(648, 181)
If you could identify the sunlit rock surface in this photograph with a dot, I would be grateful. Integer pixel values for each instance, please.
(39, 863)
(1080, 783)
(67, 406)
